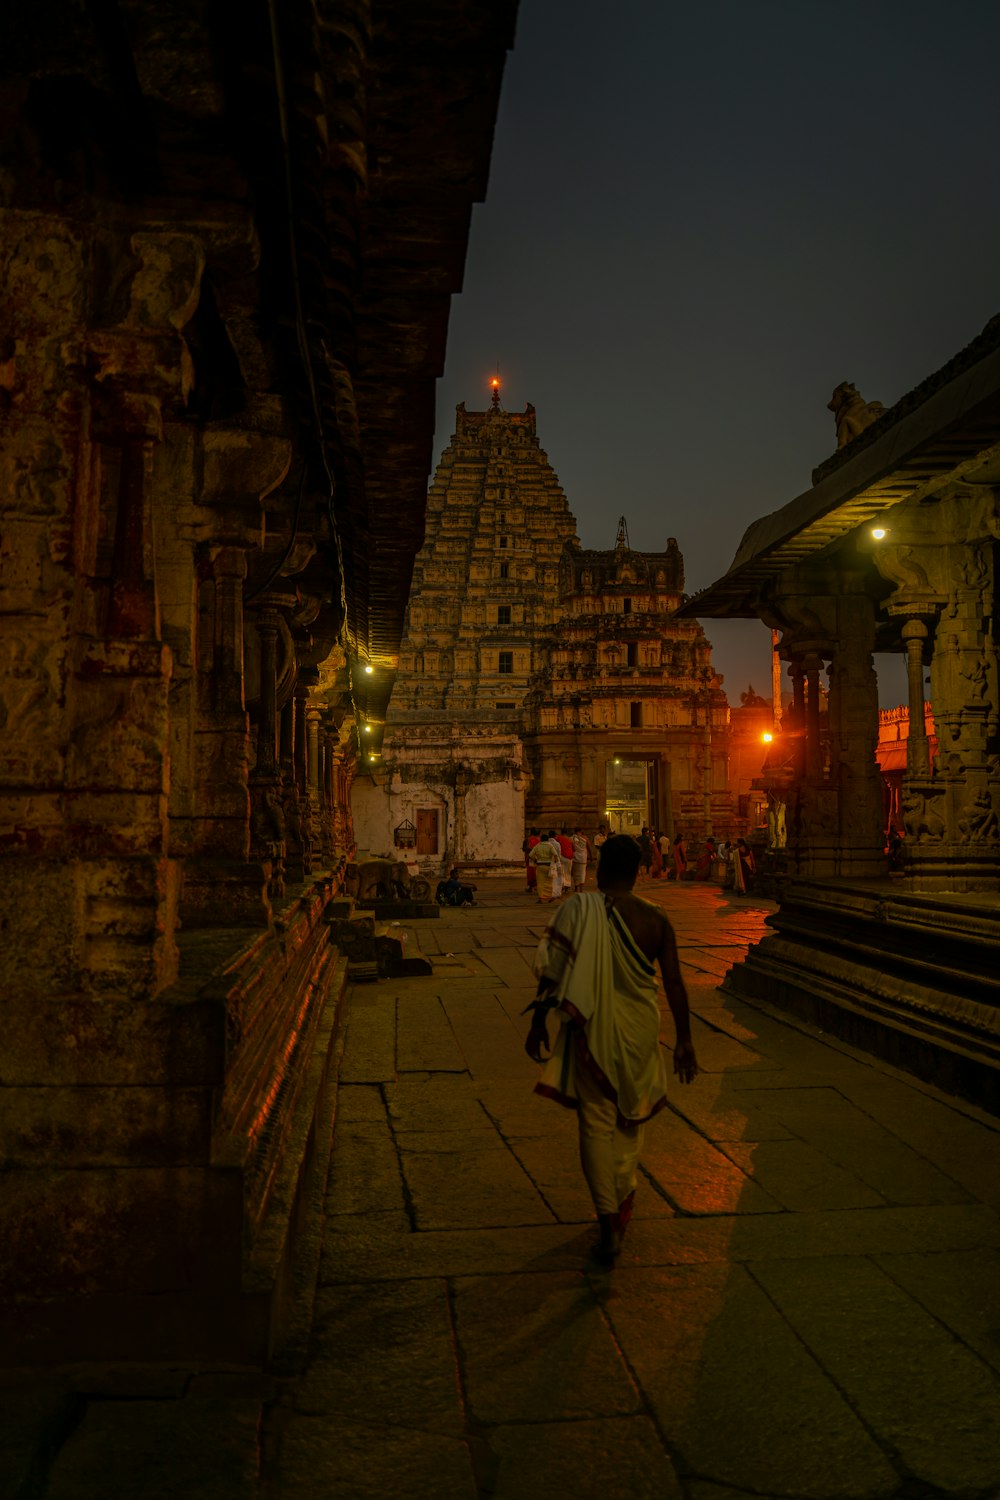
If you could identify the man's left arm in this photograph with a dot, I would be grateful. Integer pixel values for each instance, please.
(538, 1033)
(685, 1061)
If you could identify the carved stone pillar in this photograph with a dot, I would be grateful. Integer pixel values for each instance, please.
(267, 765)
(132, 613)
(312, 721)
(918, 761)
(286, 737)
(301, 735)
(813, 666)
(854, 736)
(943, 564)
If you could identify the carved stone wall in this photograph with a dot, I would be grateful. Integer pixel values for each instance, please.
(196, 552)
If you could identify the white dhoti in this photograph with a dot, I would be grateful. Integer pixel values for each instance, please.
(606, 1061)
(609, 1151)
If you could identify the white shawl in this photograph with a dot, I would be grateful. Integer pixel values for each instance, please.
(606, 989)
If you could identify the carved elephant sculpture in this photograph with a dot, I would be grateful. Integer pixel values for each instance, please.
(385, 878)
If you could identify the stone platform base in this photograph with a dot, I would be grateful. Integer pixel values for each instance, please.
(909, 977)
(190, 1229)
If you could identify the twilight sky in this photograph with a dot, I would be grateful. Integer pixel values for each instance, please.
(700, 220)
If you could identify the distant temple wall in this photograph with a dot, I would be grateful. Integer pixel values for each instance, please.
(477, 820)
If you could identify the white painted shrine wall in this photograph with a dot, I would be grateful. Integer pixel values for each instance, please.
(372, 814)
(494, 820)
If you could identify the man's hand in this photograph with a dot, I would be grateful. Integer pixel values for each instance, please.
(685, 1062)
(538, 1037)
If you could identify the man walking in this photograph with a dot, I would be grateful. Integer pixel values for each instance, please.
(596, 965)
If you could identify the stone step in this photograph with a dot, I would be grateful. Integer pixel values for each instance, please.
(366, 942)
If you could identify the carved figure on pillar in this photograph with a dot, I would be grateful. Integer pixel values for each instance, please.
(267, 830)
(979, 819)
(921, 814)
(298, 846)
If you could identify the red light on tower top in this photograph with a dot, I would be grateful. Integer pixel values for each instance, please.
(495, 388)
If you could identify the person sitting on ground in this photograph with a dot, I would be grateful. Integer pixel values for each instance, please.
(596, 967)
(452, 892)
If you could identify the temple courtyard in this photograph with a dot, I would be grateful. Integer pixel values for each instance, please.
(808, 1302)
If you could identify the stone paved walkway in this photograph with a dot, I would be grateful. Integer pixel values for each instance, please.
(808, 1304)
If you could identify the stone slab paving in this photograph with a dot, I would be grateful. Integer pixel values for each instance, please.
(807, 1306)
(808, 1302)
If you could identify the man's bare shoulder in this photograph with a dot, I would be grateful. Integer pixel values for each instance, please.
(648, 924)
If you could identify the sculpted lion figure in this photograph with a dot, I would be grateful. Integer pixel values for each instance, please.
(852, 412)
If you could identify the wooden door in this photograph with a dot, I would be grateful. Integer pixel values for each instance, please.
(427, 830)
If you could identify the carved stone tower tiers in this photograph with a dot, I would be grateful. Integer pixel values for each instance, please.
(509, 623)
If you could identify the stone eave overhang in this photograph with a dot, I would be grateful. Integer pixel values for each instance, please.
(434, 96)
(943, 439)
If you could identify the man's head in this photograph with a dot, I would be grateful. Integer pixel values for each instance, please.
(619, 863)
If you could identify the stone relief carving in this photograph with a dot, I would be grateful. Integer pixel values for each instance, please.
(979, 820)
(24, 688)
(921, 818)
(972, 571)
(852, 412)
(900, 566)
(977, 678)
(39, 479)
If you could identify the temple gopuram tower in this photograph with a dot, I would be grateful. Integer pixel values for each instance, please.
(485, 592)
(536, 679)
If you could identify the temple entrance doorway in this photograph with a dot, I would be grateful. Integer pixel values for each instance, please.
(630, 794)
(427, 830)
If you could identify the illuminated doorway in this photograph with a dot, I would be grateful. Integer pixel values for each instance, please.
(627, 794)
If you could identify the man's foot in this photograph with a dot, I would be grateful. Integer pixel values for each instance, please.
(609, 1245)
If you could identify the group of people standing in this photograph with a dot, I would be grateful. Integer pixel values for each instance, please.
(657, 854)
(555, 864)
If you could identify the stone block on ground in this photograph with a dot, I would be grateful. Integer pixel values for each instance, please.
(203, 1449)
